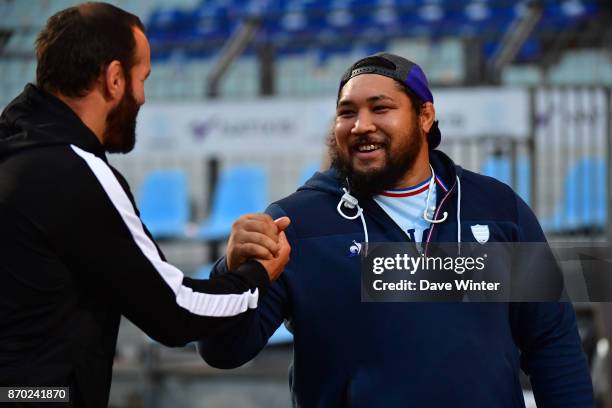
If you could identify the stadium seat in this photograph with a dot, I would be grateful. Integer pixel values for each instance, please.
(164, 203)
(309, 171)
(203, 271)
(281, 336)
(240, 190)
(500, 167)
(583, 205)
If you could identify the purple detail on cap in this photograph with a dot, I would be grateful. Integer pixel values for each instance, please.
(417, 81)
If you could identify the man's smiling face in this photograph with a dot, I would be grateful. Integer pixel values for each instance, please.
(377, 134)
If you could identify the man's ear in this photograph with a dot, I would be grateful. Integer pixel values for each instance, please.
(427, 116)
(114, 81)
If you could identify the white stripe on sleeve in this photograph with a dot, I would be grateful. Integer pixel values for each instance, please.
(203, 304)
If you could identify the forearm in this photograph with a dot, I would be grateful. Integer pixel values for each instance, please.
(202, 308)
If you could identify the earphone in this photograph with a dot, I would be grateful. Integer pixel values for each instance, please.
(433, 207)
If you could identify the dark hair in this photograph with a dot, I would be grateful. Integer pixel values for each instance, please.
(417, 103)
(376, 61)
(78, 43)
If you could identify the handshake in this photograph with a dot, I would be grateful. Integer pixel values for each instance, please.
(259, 237)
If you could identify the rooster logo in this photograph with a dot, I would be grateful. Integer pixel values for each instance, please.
(354, 249)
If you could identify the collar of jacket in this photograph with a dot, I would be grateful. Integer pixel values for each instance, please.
(38, 118)
(82, 136)
(446, 170)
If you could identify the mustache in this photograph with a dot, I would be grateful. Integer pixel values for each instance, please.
(368, 139)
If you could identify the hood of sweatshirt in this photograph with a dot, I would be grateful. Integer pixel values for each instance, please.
(36, 118)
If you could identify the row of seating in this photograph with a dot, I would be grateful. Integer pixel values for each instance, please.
(581, 66)
(33, 14)
(164, 198)
(310, 72)
(303, 25)
(310, 20)
(164, 202)
(583, 203)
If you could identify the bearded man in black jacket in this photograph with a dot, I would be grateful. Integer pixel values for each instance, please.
(75, 254)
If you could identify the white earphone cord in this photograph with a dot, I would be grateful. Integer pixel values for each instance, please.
(433, 207)
(349, 201)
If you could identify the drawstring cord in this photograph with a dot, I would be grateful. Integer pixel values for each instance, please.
(351, 202)
(433, 207)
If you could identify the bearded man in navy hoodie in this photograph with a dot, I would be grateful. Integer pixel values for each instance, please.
(388, 184)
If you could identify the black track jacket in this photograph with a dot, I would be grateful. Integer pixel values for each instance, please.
(74, 255)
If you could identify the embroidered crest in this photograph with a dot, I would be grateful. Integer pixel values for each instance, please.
(481, 233)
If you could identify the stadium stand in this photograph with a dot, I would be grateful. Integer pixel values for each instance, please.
(240, 190)
(583, 205)
(164, 203)
(316, 40)
(308, 172)
(500, 167)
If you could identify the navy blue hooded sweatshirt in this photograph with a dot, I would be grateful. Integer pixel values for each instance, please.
(353, 354)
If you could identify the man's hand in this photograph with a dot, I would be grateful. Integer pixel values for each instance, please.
(255, 236)
(276, 265)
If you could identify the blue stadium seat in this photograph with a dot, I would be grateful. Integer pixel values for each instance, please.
(583, 204)
(280, 336)
(309, 171)
(203, 271)
(164, 203)
(500, 167)
(240, 190)
(319, 22)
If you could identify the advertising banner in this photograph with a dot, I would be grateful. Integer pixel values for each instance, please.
(283, 124)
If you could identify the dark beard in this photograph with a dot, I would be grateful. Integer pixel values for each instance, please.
(368, 184)
(120, 133)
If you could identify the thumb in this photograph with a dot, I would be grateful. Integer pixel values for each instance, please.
(282, 223)
(285, 248)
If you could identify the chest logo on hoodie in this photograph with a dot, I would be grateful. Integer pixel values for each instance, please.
(481, 233)
(354, 249)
